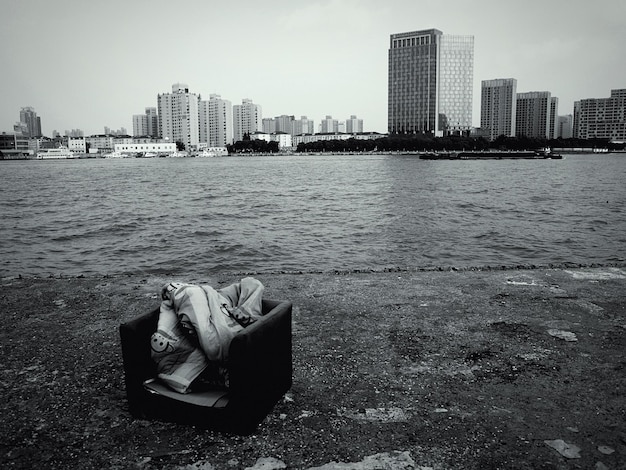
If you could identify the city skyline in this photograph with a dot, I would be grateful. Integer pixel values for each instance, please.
(87, 66)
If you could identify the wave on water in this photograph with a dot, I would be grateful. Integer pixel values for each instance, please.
(308, 214)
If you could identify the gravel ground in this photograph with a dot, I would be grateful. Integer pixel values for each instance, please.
(472, 369)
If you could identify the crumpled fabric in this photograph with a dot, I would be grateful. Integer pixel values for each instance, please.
(196, 325)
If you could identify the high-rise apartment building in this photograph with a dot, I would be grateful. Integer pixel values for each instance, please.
(30, 122)
(498, 104)
(268, 125)
(603, 118)
(247, 118)
(152, 122)
(553, 121)
(178, 116)
(328, 125)
(430, 83)
(216, 121)
(140, 125)
(354, 125)
(533, 114)
(284, 123)
(303, 125)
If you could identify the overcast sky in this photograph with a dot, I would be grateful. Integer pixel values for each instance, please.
(88, 65)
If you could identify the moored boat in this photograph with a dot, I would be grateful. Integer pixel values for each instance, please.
(206, 154)
(116, 154)
(492, 155)
(176, 154)
(55, 153)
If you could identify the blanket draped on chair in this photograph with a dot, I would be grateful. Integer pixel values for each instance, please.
(196, 325)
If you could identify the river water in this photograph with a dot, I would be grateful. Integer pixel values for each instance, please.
(195, 216)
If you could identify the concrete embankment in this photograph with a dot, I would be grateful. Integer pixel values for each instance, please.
(436, 369)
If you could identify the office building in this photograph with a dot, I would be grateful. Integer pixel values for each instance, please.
(533, 114)
(430, 83)
(178, 116)
(77, 144)
(498, 104)
(603, 118)
(216, 121)
(247, 118)
(354, 125)
(284, 140)
(30, 123)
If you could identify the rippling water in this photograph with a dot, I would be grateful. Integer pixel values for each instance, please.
(307, 213)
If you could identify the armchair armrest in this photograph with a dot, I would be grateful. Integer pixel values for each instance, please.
(260, 356)
(138, 364)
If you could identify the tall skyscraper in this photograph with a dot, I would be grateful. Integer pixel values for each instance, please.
(498, 106)
(430, 83)
(603, 118)
(178, 116)
(31, 122)
(533, 114)
(247, 118)
(216, 121)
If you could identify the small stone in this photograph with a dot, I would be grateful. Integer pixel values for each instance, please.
(569, 451)
(606, 450)
(564, 335)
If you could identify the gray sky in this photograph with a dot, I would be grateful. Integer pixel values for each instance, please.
(87, 65)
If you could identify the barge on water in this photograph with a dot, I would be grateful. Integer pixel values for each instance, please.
(492, 155)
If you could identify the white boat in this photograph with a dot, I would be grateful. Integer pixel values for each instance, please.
(212, 152)
(177, 154)
(116, 154)
(205, 154)
(55, 153)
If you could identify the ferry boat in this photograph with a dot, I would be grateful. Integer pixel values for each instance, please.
(55, 153)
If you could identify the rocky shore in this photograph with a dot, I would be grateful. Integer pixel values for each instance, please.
(401, 370)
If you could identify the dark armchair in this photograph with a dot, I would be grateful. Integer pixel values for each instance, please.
(259, 366)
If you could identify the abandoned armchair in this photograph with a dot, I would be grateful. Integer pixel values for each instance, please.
(219, 359)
